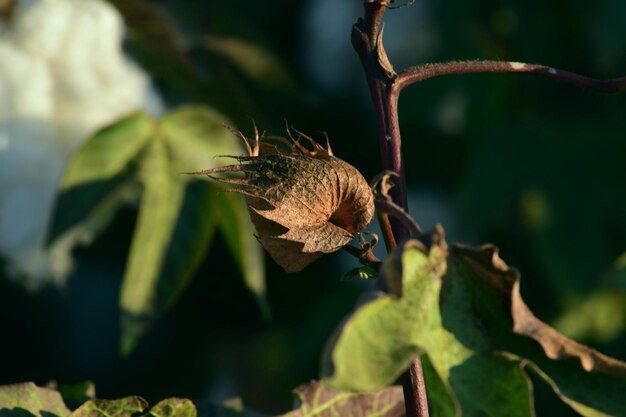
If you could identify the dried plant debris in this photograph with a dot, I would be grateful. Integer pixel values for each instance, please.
(486, 263)
(303, 202)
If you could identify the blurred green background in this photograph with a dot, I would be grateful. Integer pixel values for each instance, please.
(534, 166)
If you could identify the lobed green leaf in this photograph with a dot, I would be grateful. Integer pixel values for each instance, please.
(196, 135)
(238, 232)
(27, 400)
(124, 407)
(463, 309)
(109, 151)
(316, 400)
(139, 160)
(174, 407)
(178, 216)
(256, 63)
(160, 206)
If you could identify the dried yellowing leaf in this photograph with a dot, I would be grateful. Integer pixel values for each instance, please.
(303, 203)
(555, 345)
(317, 400)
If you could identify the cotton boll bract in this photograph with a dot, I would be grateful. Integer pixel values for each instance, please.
(303, 203)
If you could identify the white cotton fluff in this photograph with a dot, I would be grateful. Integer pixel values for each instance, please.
(63, 75)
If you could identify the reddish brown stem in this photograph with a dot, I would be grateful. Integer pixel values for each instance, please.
(415, 400)
(397, 212)
(366, 35)
(366, 257)
(385, 227)
(423, 72)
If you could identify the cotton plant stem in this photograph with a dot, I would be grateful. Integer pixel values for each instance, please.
(420, 73)
(385, 87)
(364, 256)
(385, 227)
(367, 41)
(390, 208)
(415, 400)
(365, 35)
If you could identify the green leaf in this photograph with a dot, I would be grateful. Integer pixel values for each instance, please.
(464, 310)
(174, 407)
(600, 316)
(27, 399)
(139, 160)
(316, 400)
(124, 407)
(99, 179)
(256, 63)
(109, 151)
(617, 274)
(83, 212)
(489, 292)
(160, 206)
(77, 393)
(177, 218)
(377, 345)
(190, 240)
(196, 135)
(593, 395)
(238, 231)
(441, 401)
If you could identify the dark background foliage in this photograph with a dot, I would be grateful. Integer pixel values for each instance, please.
(534, 166)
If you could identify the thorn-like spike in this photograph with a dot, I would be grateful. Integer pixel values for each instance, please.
(255, 147)
(383, 177)
(244, 182)
(217, 170)
(288, 130)
(303, 135)
(278, 139)
(240, 136)
(328, 148)
(236, 157)
(318, 150)
(301, 148)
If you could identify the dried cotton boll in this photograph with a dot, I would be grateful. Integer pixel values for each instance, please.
(303, 203)
(63, 76)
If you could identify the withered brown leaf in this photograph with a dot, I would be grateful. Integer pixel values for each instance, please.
(488, 264)
(303, 203)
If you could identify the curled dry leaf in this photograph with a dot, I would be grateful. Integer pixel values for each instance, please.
(555, 345)
(461, 306)
(303, 203)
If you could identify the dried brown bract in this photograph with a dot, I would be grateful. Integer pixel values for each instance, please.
(303, 203)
